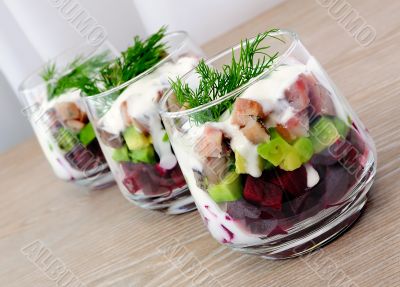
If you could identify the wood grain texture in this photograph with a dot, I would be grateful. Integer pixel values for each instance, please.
(105, 241)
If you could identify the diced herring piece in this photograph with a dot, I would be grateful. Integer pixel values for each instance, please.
(320, 100)
(297, 94)
(109, 139)
(129, 121)
(124, 112)
(210, 143)
(255, 132)
(74, 125)
(296, 126)
(244, 110)
(68, 111)
(215, 169)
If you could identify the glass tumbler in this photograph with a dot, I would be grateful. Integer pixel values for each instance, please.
(286, 167)
(51, 101)
(133, 138)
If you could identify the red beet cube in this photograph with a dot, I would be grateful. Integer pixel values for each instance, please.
(336, 184)
(292, 182)
(262, 193)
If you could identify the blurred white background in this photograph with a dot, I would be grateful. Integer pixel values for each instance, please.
(32, 32)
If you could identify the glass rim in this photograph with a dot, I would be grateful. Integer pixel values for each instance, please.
(177, 114)
(148, 71)
(22, 86)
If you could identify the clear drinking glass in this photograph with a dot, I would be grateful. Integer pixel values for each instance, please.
(59, 119)
(287, 168)
(133, 138)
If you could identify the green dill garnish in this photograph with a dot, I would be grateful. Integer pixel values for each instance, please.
(78, 75)
(136, 59)
(98, 74)
(215, 84)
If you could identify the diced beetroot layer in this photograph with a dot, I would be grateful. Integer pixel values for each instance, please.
(293, 182)
(262, 192)
(149, 179)
(241, 209)
(278, 199)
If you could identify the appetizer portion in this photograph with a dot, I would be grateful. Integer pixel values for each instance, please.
(128, 124)
(61, 124)
(264, 143)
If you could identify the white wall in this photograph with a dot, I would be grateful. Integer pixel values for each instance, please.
(203, 19)
(14, 128)
(18, 57)
(32, 32)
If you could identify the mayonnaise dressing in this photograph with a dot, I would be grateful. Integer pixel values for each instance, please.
(142, 101)
(312, 176)
(216, 218)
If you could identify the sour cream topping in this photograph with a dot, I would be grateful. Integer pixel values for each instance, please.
(142, 99)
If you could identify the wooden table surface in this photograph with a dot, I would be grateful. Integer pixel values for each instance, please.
(103, 240)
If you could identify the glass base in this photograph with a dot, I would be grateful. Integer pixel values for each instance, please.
(178, 202)
(98, 181)
(337, 228)
(319, 232)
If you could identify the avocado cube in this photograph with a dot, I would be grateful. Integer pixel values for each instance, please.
(323, 134)
(144, 155)
(229, 189)
(341, 127)
(304, 148)
(241, 163)
(274, 151)
(65, 139)
(87, 134)
(135, 139)
(291, 161)
(121, 154)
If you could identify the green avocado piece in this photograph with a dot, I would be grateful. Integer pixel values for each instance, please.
(135, 139)
(274, 151)
(65, 140)
(87, 134)
(229, 189)
(145, 155)
(323, 134)
(121, 154)
(291, 161)
(240, 163)
(341, 127)
(304, 148)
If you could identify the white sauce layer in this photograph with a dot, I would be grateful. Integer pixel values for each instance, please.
(142, 101)
(312, 176)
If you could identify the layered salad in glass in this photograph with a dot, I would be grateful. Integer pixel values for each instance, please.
(126, 118)
(51, 100)
(275, 159)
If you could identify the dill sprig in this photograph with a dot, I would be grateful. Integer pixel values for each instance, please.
(99, 74)
(136, 59)
(77, 75)
(217, 83)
